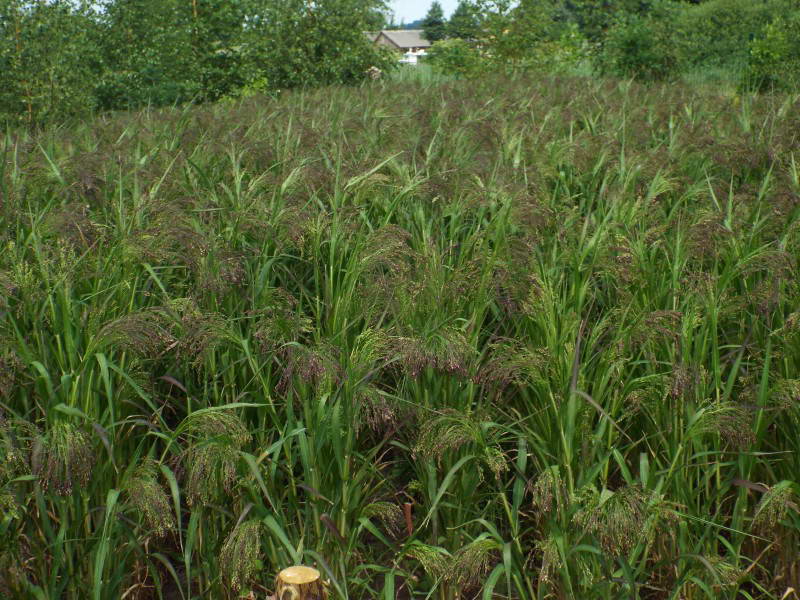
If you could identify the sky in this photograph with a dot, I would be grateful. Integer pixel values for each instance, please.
(411, 10)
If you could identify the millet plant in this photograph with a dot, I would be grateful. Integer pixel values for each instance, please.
(498, 338)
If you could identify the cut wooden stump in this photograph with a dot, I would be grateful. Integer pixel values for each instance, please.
(300, 583)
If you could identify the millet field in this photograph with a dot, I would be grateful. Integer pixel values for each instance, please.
(531, 337)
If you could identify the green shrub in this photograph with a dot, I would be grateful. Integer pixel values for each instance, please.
(566, 53)
(455, 56)
(595, 19)
(48, 57)
(642, 46)
(718, 32)
(775, 56)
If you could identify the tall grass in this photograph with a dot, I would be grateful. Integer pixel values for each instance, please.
(522, 338)
(420, 74)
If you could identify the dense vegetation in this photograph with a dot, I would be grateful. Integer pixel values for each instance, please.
(753, 45)
(75, 58)
(71, 58)
(508, 338)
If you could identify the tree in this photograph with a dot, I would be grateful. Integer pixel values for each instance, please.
(433, 25)
(774, 62)
(48, 53)
(379, 17)
(596, 17)
(301, 43)
(455, 56)
(642, 46)
(464, 22)
(149, 55)
(216, 34)
(520, 34)
(509, 30)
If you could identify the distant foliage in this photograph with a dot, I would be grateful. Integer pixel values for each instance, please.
(642, 46)
(566, 53)
(49, 59)
(718, 32)
(148, 55)
(298, 46)
(596, 17)
(455, 56)
(62, 59)
(465, 21)
(511, 33)
(434, 26)
(775, 55)
(69, 59)
(497, 34)
(659, 39)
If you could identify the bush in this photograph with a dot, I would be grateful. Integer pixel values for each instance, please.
(775, 56)
(566, 53)
(642, 46)
(455, 56)
(48, 58)
(717, 33)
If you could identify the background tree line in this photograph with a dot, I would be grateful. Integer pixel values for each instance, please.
(62, 58)
(755, 43)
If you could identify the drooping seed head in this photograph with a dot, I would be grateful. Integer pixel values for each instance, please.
(239, 557)
(774, 507)
(470, 565)
(434, 560)
(549, 491)
(63, 458)
(211, 458)
(615, 518)
(149, 498)
(389, 513)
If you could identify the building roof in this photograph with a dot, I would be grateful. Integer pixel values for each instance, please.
(406, 38)
(372, 35)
